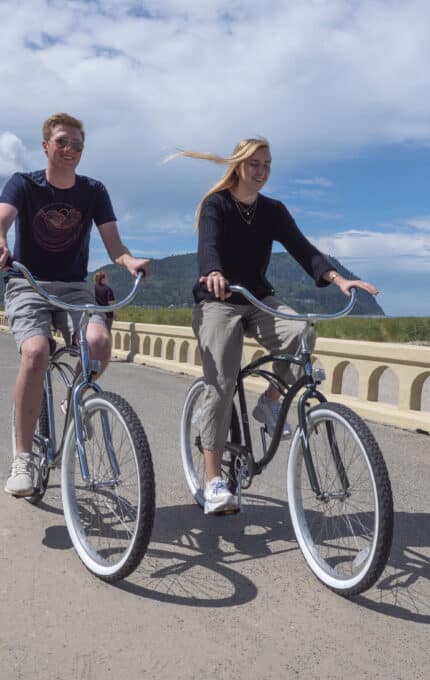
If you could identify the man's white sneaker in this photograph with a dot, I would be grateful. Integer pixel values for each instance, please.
(267, 412)
(20, 482)
(218, 498)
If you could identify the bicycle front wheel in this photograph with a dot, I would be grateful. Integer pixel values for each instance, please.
(109, 516)
(345, 532)
(191, 444)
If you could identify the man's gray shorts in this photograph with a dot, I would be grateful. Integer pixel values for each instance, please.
(29, 314)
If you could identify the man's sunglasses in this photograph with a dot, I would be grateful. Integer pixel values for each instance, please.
(74, 144)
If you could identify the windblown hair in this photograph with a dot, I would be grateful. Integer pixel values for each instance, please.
(243, 150)
(61, 119)
(98, 277)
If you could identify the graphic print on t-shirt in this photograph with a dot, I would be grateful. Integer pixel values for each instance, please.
(57, 226)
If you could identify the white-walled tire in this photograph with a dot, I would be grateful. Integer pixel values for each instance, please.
(345, 538)
(109, 518)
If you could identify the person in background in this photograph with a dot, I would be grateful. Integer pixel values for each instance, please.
(237, 226)
(104, 295)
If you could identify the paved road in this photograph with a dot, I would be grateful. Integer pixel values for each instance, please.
(214, 597)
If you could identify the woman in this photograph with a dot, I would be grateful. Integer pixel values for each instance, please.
(237, 226)
(104, 295)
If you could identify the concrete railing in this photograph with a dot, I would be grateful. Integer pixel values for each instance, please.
(383, 382)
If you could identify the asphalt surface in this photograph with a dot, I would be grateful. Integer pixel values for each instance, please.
(227, 597)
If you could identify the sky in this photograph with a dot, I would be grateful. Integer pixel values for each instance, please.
(341, 88)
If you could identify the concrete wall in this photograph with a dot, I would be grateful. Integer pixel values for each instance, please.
(384, 382)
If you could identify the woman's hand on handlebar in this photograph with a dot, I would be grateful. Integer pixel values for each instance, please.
(346, 284)
(216, 284)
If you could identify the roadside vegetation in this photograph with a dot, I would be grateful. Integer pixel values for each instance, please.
(399, 329)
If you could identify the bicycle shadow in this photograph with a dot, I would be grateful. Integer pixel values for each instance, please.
(194, 564)
(191, 559)
(218, 543)
(403, 591)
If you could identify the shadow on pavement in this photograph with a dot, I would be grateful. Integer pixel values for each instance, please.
(403, 591)
(191, 558)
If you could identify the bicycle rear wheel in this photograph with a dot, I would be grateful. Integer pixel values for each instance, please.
(39, 449)
(191, 445)
(110, 516)
(344, 534)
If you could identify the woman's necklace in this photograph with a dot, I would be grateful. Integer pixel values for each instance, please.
(246, 212)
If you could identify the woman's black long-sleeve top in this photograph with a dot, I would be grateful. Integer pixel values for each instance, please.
(241, 251)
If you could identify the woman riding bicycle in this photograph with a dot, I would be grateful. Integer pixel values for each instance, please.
(237, 227)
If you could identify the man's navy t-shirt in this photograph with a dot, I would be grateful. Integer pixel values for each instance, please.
(52, 228)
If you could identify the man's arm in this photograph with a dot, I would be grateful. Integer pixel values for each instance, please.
(119, 253)
(8, 213)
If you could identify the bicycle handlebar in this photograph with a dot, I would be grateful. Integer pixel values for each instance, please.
(54, 300)
(294, 317)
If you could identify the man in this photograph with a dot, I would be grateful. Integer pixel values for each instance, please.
(53, 211)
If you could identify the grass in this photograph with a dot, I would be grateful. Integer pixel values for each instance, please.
(399, 329)
(177, 316)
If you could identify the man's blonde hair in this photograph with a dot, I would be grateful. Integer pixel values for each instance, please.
(61, 119)
(243, 150)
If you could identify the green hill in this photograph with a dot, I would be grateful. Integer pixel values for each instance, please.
(173, 278)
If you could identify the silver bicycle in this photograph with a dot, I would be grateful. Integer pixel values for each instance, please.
(107, 477)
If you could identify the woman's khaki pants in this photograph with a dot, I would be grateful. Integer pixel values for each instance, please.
(220, 328)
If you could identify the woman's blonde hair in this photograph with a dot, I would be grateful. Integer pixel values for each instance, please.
(243, 150)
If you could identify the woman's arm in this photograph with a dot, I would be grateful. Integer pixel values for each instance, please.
(345, 285)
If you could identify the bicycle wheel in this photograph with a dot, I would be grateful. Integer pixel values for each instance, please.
(345, 535)
(191, 446)
(40, 468)
(110, 516)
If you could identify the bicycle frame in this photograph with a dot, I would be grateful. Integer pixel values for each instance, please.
(289, 393)
(74, 384)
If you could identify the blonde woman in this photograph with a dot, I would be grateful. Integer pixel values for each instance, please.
(237, 226)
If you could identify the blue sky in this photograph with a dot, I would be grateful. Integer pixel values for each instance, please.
(339, 87)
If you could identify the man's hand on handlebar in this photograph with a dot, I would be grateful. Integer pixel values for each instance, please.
(5, 256)
(138, 264)
(216, 284)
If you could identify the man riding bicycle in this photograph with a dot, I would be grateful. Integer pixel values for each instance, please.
(53, 211)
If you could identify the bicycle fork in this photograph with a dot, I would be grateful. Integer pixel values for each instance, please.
(80, 426)
(334, 449)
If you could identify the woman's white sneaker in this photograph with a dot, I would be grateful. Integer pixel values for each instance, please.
(267, 412)
(218, 498)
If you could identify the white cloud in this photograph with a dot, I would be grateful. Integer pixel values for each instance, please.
(421, 223)
(373, 251)
(207, 72)
(12, 154)
(316, 181)
(322, 80)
